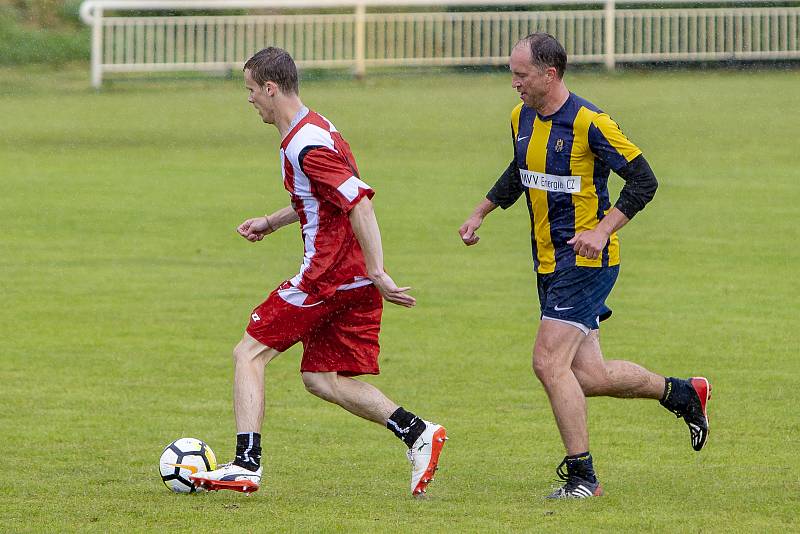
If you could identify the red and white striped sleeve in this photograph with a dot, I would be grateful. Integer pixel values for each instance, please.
(333, 177)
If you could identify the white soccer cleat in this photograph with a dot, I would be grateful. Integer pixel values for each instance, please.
(229, 477)
(424, 457)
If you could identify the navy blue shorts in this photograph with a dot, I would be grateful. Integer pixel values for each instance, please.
(577, 294)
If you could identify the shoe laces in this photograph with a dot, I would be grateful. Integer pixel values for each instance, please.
(572, 481)
(561, 470)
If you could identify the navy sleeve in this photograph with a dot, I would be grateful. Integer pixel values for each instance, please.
(508, 187)
(640, 186)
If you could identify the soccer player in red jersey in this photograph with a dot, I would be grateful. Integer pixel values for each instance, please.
(334, 304)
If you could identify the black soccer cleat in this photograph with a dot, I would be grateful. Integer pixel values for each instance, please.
(575, 487)
(696, 414)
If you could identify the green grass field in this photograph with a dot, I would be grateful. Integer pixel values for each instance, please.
(124, 288)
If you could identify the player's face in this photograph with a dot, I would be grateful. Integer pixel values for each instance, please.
(259, 96)
(531, 82)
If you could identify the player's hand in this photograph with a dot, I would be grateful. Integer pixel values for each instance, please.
(589, 244)
(392, 293)
(468, 229)
(255, 229)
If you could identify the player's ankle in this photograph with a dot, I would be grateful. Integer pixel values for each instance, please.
(406, 426)
(677, 394)
(581, 465)
(250, 466)
(248, 450)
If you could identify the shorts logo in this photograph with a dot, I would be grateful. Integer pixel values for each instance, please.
(255, 317)
(550, 182)
(556, 308)
(559, 145)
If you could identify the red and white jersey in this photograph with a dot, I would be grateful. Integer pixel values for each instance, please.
(320, 174)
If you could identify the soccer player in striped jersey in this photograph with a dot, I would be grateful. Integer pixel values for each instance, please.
(564, 149)
(334, 304)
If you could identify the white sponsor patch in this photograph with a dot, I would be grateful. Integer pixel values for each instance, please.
(550, 182)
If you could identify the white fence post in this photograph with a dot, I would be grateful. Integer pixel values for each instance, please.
(610, 34)
(361, 29)
(97, 47)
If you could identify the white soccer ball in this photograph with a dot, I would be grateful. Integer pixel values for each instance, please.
(184, 457)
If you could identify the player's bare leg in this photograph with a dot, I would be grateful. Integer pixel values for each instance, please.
(244, 474)
(618, 378)
(359, 398)
(555, 348)
(553, 354)
(424, 439)
(250, 357)
(613, 378)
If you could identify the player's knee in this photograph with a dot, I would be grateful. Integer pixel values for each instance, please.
(245, 353)
(544, 366)
(594, 382)
(320, 385)
(238, 353)
(541, 370)
(589, 386)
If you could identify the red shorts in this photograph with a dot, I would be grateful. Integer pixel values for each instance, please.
(339, 334)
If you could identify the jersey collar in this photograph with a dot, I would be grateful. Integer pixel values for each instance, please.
(559, 110)
(298, 118)
(300, 115)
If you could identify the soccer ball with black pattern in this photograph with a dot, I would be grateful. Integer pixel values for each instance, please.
(184, 457)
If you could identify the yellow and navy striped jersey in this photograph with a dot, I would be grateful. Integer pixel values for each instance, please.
(563, 162)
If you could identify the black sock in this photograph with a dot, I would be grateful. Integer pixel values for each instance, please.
(248, 450)
(580, 465)
(406, 426)
(677, 395)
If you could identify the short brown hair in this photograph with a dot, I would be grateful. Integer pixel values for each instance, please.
(546, 51)
(274, 64)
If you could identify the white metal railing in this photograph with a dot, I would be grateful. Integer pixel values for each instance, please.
(357, 38)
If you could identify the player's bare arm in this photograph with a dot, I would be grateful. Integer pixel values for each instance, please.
(257, 228)
(365, 227)
(474, 221)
